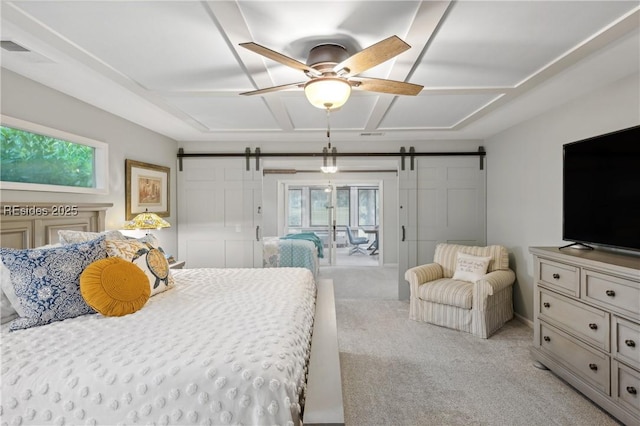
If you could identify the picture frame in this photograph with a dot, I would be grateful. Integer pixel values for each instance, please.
(146, 189)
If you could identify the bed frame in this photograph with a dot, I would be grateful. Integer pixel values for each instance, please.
(28, 225)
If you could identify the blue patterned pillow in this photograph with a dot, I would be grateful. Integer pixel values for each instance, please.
(45, 283)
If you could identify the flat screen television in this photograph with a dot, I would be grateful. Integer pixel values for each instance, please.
(601, 190)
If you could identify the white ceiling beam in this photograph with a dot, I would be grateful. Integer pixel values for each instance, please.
(616, 30)
(233, 28)
(419, 35)
(12, 13)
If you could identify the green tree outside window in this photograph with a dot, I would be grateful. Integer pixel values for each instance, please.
(32, 158)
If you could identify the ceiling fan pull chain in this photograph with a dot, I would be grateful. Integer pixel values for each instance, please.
(328, 128)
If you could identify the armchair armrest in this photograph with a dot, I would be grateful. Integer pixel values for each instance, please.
(421, 274)
(491, 284)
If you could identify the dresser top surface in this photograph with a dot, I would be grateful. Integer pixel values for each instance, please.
(596, 257)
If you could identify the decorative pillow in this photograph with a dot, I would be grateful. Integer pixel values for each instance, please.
(6, 309)
(70, 237)
(114, 287)
(45, 283)
(470, 268)
(148, 256)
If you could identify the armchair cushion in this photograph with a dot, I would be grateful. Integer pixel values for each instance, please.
(447, 291)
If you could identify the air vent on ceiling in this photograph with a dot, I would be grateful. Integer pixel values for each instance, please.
(12, 46)
(372, 134)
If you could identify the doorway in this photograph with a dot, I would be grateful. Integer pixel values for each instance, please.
(332, 208)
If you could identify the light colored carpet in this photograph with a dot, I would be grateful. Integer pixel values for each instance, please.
(400, 372)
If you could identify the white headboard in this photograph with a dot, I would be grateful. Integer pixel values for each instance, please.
(28, 225)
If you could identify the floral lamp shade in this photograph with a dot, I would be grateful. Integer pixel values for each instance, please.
(147, 220)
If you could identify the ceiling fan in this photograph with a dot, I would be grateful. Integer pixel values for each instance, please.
(332, 72)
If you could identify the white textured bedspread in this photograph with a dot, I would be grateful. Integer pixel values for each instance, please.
(225, 346)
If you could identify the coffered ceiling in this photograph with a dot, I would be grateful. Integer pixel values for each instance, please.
(176, 67)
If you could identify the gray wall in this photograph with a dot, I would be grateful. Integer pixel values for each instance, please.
(524, 174)
(28, 100)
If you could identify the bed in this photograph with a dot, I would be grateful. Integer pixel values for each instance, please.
(279, 252)
(222, 346)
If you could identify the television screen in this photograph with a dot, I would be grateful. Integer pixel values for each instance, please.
(601, 190)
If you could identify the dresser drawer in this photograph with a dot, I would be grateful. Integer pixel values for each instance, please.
(591, 366)
(626, 387)
(626, 341)
(561, 277)
(618, 294)
(585, 322)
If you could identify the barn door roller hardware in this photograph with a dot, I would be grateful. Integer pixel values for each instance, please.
(257, 154)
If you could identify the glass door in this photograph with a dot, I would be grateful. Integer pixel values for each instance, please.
(322, 202)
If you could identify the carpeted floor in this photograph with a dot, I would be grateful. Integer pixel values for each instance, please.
(399, 372)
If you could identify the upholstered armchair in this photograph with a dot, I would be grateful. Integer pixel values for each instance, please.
(455, 292)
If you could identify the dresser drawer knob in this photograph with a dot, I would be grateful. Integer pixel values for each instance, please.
(593, 326)
(546, 304)
(632, 390)
(547, 338)
(630, 343)
(594, 367)
(556, 276)
(610, 293)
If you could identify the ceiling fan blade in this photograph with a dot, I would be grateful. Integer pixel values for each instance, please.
(386, 86)
(274, 89)
(371, 56)
(279, 57)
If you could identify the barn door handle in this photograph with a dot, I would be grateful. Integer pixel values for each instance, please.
(258, 233)
(403, 233)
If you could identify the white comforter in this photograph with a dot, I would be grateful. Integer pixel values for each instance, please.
(225, 346)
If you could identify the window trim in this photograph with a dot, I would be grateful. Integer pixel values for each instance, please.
(101, 159)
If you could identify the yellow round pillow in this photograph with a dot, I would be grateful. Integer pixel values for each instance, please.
(114, 287)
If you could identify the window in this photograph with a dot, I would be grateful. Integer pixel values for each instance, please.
(38, 158)
(319, 200)
(295, 207)
(355, 206)
(343, 206)
(368, 207)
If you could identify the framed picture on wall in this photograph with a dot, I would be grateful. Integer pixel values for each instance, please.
(147, 188)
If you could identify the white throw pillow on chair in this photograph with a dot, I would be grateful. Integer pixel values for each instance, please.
(470, 268)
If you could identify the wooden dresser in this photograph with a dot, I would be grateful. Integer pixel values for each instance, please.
(587, 324)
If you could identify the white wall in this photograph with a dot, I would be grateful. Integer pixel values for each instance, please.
(28, 100)
(524, 174)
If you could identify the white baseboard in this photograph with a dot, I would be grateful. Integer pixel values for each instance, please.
(524, 320)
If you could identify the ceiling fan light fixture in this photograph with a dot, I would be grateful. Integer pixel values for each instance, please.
(327, 92)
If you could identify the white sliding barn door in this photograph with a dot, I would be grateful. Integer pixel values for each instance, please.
(219, 214)
(443, 200)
